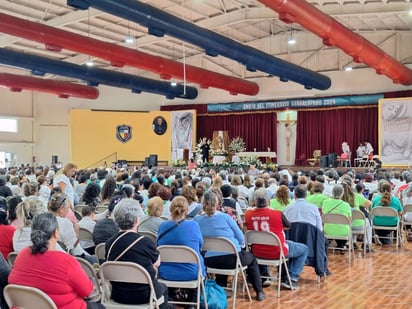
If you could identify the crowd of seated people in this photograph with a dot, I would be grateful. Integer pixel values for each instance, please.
(212, 202)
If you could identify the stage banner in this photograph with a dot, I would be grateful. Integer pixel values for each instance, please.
(295, 103)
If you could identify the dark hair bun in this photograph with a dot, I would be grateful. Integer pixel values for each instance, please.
(40, 241)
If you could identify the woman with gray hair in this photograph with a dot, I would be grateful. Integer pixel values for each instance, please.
(56, 273)
(336, 205)
(129, 246)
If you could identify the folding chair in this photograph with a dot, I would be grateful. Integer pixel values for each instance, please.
(92, 274)
(100, 209)
(364, 161)
(19, 296)
(150, 235)
(270, 239)
(126, 272)
(11, 257)
(100, 251)
(331, 218)
(183, 254)
(85, 234)
(221, 244)
(386, 211)
(79, 207)
(360, 230)
(405, 224)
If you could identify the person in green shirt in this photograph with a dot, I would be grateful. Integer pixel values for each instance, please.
(364, 206)
(356, 200)
(336, 205)
(282, 198)
(317, 198)
(385, 198)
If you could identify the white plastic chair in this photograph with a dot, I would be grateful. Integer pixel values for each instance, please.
(126, 272)
(269, 239)
(221, 244)
(331, 218)
(386, 211)
(19, 296)
(183, 254)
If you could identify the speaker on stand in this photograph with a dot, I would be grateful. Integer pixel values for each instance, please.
(153, 159)
(323, 162)
(54, 159)
(333, 160)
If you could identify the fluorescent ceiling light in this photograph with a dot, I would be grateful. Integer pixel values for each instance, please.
(129, 39)
(291, 41)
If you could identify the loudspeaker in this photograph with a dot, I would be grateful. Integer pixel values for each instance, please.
(54, 159)
(333, 160)
(153, 159)
(121, 163)
(323, 161)
(146, 161)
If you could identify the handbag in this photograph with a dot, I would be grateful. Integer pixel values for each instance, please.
(215, 295)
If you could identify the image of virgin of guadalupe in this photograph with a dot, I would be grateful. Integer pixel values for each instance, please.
(159, 125)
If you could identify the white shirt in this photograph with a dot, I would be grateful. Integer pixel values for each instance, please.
(68, 236)
(360, 151)
(368, 148)
(68, 190)
(345, 148)
(303, 211)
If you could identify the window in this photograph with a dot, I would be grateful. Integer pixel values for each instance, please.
(8, 125)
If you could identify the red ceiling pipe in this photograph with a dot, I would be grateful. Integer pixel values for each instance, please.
(334, 33)
(57, 39)
(17, 83)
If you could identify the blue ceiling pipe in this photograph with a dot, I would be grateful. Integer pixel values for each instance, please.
(94, 76)
(160, 23)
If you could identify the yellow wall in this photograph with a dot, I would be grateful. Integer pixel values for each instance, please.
(93, 136)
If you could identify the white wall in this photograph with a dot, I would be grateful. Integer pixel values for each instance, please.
(44, 119)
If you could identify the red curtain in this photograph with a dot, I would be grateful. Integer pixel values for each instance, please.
(327, 129)
(257, 130)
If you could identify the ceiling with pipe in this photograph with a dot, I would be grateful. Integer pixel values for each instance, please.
(386, 24)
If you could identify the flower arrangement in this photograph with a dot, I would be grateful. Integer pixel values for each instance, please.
(237, 145)
(251, 160)
(270, 166)
(179, 163)
(218, 152)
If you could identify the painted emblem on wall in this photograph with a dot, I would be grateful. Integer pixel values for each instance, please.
(124, 133)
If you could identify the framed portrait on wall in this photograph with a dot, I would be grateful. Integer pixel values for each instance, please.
(159, 125)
